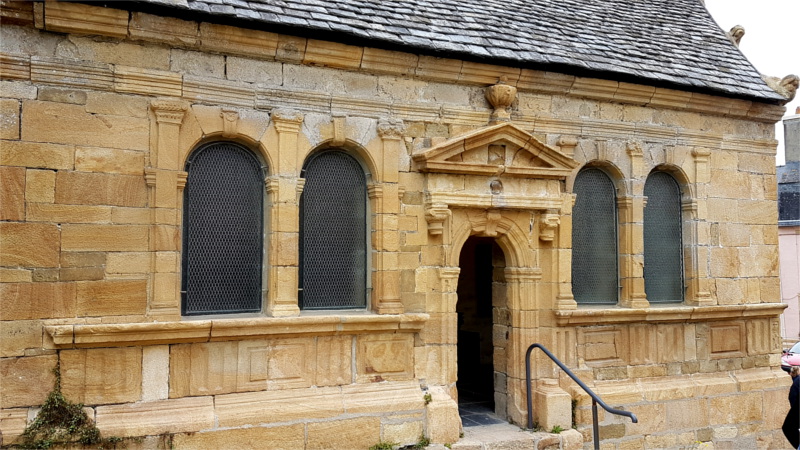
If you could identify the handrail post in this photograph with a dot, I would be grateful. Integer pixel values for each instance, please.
(595, 426)
(595, 399)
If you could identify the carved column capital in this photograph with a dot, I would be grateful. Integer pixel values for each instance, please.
(375, 190)
(168, 110)
(436, 215)
(449, 277)
(634, 148)
(567, 145)
(548, 224)
(391, 128)
(287, 120)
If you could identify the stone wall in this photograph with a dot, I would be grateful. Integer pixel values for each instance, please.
(101, 107)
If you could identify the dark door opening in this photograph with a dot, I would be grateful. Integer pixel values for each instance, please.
(476, 371)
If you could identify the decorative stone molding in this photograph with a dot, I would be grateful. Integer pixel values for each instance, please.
(500, 96)
(181, 179)
(135, 80)
(169, 111)
(492, 220)
(548, 224)
(667, 314)
(522, 274)
(391, 128)
(634, 148)
(14, 67)
(66, 72)
(339, 132)
(154, 333)
(287, 120)
(567, 145)
(436, 215)
(230, 122)
(150, 177)
(515, 152)
(449, 277)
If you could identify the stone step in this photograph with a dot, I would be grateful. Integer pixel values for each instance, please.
(504, 436)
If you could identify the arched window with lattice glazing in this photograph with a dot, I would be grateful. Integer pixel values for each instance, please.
(222, 231)
(595, 278)
(663, 242)
(333, 233)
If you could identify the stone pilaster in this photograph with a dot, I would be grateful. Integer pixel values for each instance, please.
(284, 248)
(166, 180)
(631, 252)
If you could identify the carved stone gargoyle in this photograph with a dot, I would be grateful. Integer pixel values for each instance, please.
(786, 86)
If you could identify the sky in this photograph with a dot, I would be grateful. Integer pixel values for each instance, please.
(771, 40)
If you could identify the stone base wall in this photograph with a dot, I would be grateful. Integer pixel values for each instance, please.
(738, 409)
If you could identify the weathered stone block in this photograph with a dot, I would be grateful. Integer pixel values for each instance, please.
(85, 19)
(113, 238)
(277, 406)
(81, 188)
(107, 160)
(374, 398)
(163, 29)
(334, 360)
(21, 301)
(19, 335)
(70, 124)
(203, 369)
(748, 408)
(226, 39)
(346, 434)
(40, 186)
(35, 154)
(9, 119)
(15, 275)
(155, 373)
(103, 375)
(12, 193)
(384, 357)
(111, 297)
(29, 244)
(13, 423)
(128, 262)
(26, 381)
(151, 418)
(442, 420)
(197, 63)
(289, 437)
(58, 213)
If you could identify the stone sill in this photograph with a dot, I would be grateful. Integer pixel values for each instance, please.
(602, 316)
(154, 333)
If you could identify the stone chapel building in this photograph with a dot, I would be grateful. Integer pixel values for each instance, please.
(306, 224)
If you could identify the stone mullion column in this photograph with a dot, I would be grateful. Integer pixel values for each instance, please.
(562, 260)
(386, 208)
(696, 239)
(284, 190)
(444, 301)
(525, 330)
(166, 180)
(695, 273)
(631, 252)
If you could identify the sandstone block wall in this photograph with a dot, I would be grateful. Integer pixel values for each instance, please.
(101, 107)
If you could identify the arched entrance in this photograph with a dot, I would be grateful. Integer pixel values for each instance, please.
(482, 332)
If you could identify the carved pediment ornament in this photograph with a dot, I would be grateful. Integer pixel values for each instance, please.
(493, 150)
(500, 96)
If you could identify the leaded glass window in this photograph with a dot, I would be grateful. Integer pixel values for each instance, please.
(222, 231)
(663, 246)
(594, 239)
(333, 233)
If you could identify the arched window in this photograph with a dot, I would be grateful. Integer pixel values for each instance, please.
(333, 233)
(222, 231)
(663, 246)
(594, 239)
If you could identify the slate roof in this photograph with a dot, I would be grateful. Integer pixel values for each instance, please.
(671, 43)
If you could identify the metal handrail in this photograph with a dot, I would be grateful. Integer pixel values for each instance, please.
(595, 398)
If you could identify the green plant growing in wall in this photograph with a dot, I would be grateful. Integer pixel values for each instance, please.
(556, 429)
(428, 398)
(384, 445)
(62, 423)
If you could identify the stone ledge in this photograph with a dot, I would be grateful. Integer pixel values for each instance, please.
(596, 316)
(154, 333)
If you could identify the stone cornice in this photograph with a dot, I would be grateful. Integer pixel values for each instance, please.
(155, 333)
(612, 315)
(72, 18)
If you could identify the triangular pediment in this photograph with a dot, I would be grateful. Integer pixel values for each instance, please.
(494, 150)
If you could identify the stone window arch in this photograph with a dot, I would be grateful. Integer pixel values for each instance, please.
(334, 233)
(223, 231)
(595, 273)
(663, 239)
